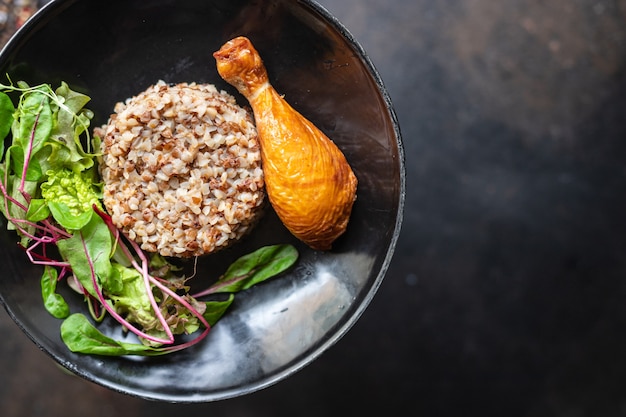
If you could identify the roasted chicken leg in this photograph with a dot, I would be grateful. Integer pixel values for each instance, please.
(308, 180)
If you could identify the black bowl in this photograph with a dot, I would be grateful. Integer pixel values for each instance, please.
(112, 49)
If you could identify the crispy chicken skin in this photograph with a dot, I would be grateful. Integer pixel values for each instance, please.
(308, 180)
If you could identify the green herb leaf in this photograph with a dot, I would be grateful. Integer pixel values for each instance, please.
(33, 172)
(34, 121)
(72, 121)
(6, 118)
(67, 218)
(216, 309)
(73, 103)
(82, 337)
(256, 267)
(132, 300)
(93, 245)
(54, 303)
(37, 210)
(70, 196)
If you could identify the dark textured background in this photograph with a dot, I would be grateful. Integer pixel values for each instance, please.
(506, 293)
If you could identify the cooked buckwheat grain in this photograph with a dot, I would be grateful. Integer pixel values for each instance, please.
(181, 167)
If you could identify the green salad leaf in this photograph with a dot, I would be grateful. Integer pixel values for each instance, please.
(70, 197)
(33, 122)
(6, 118)
(54, 303)
(81, 336)
(254, 268)
(88, 252)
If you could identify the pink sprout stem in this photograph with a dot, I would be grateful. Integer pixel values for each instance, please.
(142, 269)
(149, 280)
(56, 231)
(8, 198)
(112, 311)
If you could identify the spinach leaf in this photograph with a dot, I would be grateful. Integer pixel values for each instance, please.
(6, 118)
(33, 172)
(34, 123)
(82, 337)
(37, 210)
(256, 267)
(216, 309)
(54, 303)
(68, 219)
(91, 246)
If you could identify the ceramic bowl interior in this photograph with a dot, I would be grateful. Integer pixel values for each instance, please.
(114, 49)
